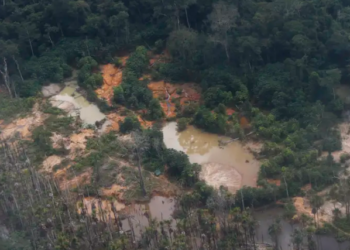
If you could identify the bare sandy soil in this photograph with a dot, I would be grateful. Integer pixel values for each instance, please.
(113, 191)
(345, 135)
(102, 207)
(23, 126)
(326, 211)
(79, 180)
(50, 162)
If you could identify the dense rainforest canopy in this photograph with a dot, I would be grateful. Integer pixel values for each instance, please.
(276, 62)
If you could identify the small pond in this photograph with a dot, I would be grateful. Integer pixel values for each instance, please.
(88, 112)
(232, 166)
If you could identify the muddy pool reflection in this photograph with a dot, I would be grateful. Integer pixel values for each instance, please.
(135, 217)
(159, 208)
(232, 166)
(88, 112)
(267, 217)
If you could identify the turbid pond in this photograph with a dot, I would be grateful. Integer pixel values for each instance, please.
(135, 217)
(267, 217)
(232, 166)
(89, 113)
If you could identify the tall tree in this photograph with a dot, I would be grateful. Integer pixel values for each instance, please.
(29, 33)
(140, 146)
(222, 19)
(7, 50)
(274, 231)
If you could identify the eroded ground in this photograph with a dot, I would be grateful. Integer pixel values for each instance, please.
(325, 213)
(169, 94)
(136, 216)
(117, 181)
(112, 77)
(23, 127)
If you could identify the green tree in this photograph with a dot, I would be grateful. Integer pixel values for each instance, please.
(182, 124)
(28, 33)
(222, 19)
(182, 44)
(274, 231)
(214, 96)
(118, 95)
(129, 124)
(155, 111)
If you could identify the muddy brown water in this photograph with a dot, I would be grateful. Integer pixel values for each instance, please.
(88, 112)
(265, 218)
(136, 216)
(343, 91)
(232, 166)
(159, 208)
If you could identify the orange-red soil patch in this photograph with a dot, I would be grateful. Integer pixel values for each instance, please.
(82, 179)
(167, 93)
(158, 89)
(115, 118)
(23, 126)
(144, 123)
(115, 190)
(276, 182)
(307, 187)
(244, 122)
(163, 58)
(230, 111)
(112, 77)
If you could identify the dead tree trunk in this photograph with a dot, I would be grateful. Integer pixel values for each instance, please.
(30, 42)
(142, 183)
(6, 77)
(50, 39)
(18, 68)
(188, 22)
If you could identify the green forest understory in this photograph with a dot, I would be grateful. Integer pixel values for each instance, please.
(278, 63)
